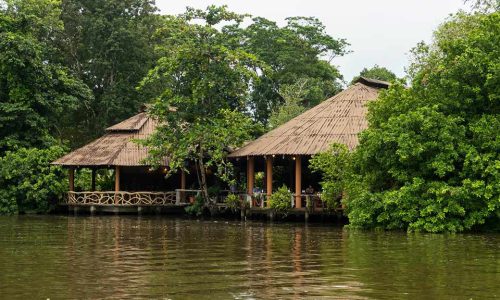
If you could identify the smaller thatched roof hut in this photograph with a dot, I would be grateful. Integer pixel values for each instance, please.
(116, 147)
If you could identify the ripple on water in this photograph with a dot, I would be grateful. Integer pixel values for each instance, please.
(128, 257)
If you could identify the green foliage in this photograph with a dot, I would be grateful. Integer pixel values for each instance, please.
(334, 165)
(259, 180)
(281, 200)
(293, 96)
(293, 52)
(233, 202)
(376, 72)
(35, 89)
(28, 182)
(196, 209)
(201, 83)
(104, 181)
(110, 46)
(430, 160)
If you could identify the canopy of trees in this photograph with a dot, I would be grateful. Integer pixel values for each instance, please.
(71, 68)
(301, 50)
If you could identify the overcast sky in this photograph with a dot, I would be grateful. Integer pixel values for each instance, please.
(380, 32)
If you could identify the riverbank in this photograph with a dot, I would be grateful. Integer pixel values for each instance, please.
(221, 212)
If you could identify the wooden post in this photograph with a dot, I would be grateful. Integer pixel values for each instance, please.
(298, 182)
(117, 183)
(183, 186)
(250, 175)
(269, 178)
(93, 180)
(71, 176)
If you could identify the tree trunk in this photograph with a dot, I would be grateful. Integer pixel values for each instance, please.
(203, 183)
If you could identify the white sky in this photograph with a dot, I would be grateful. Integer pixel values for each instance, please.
(380, 32)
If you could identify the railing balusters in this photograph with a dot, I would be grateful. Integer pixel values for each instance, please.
(124, 198)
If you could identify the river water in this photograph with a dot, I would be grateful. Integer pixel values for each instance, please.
(116, 257)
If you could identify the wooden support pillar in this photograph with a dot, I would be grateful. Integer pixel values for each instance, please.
(250, 174)
(183, 186)
(117, 183)
(71, 176)
(93, 180)
(269, 177)
(298, 181)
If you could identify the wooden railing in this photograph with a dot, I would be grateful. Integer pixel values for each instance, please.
(311, 201)
(123, 198)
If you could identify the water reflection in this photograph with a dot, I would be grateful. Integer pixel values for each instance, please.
(124, 257)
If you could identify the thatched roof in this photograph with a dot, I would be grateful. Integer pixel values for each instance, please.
(116, 147)
(338, 119)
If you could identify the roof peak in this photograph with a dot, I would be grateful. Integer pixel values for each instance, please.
(373, 82)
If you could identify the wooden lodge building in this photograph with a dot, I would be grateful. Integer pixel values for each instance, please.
(288, 147)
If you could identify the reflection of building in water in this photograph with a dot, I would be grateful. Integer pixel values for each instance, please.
(104, 249)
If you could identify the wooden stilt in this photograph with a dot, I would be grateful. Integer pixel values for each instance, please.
(269, 177)
(183, 185)
(298, 181)
(117, 183)
(250, 175)
(71, 176)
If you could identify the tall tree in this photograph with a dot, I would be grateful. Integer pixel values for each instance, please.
(109, 44)
(376, 72)
(200, 83)
(300, 49)
(294, 96)
(35, 89)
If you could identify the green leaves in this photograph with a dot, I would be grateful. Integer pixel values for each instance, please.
(430, 158)
(35, 89)
(28, 181)
(299, 50)
(281, 201)
(201, 85)
(376, 72)
(334, 165)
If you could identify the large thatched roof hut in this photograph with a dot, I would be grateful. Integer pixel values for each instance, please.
(339, 119)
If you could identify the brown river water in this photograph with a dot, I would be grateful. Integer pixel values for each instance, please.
(122, 257)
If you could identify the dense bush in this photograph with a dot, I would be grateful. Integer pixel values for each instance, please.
(281, 200)
(27, 181)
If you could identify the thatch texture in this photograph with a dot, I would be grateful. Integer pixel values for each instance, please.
(116, 147)
(339, 119)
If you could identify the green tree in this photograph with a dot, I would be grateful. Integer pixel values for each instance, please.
(293, 95)
(376, 72)
(334, 165)
(110, 46)
(28, 182)
(201, 83)
(430, 160)
(35, 89)
(300, 49)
